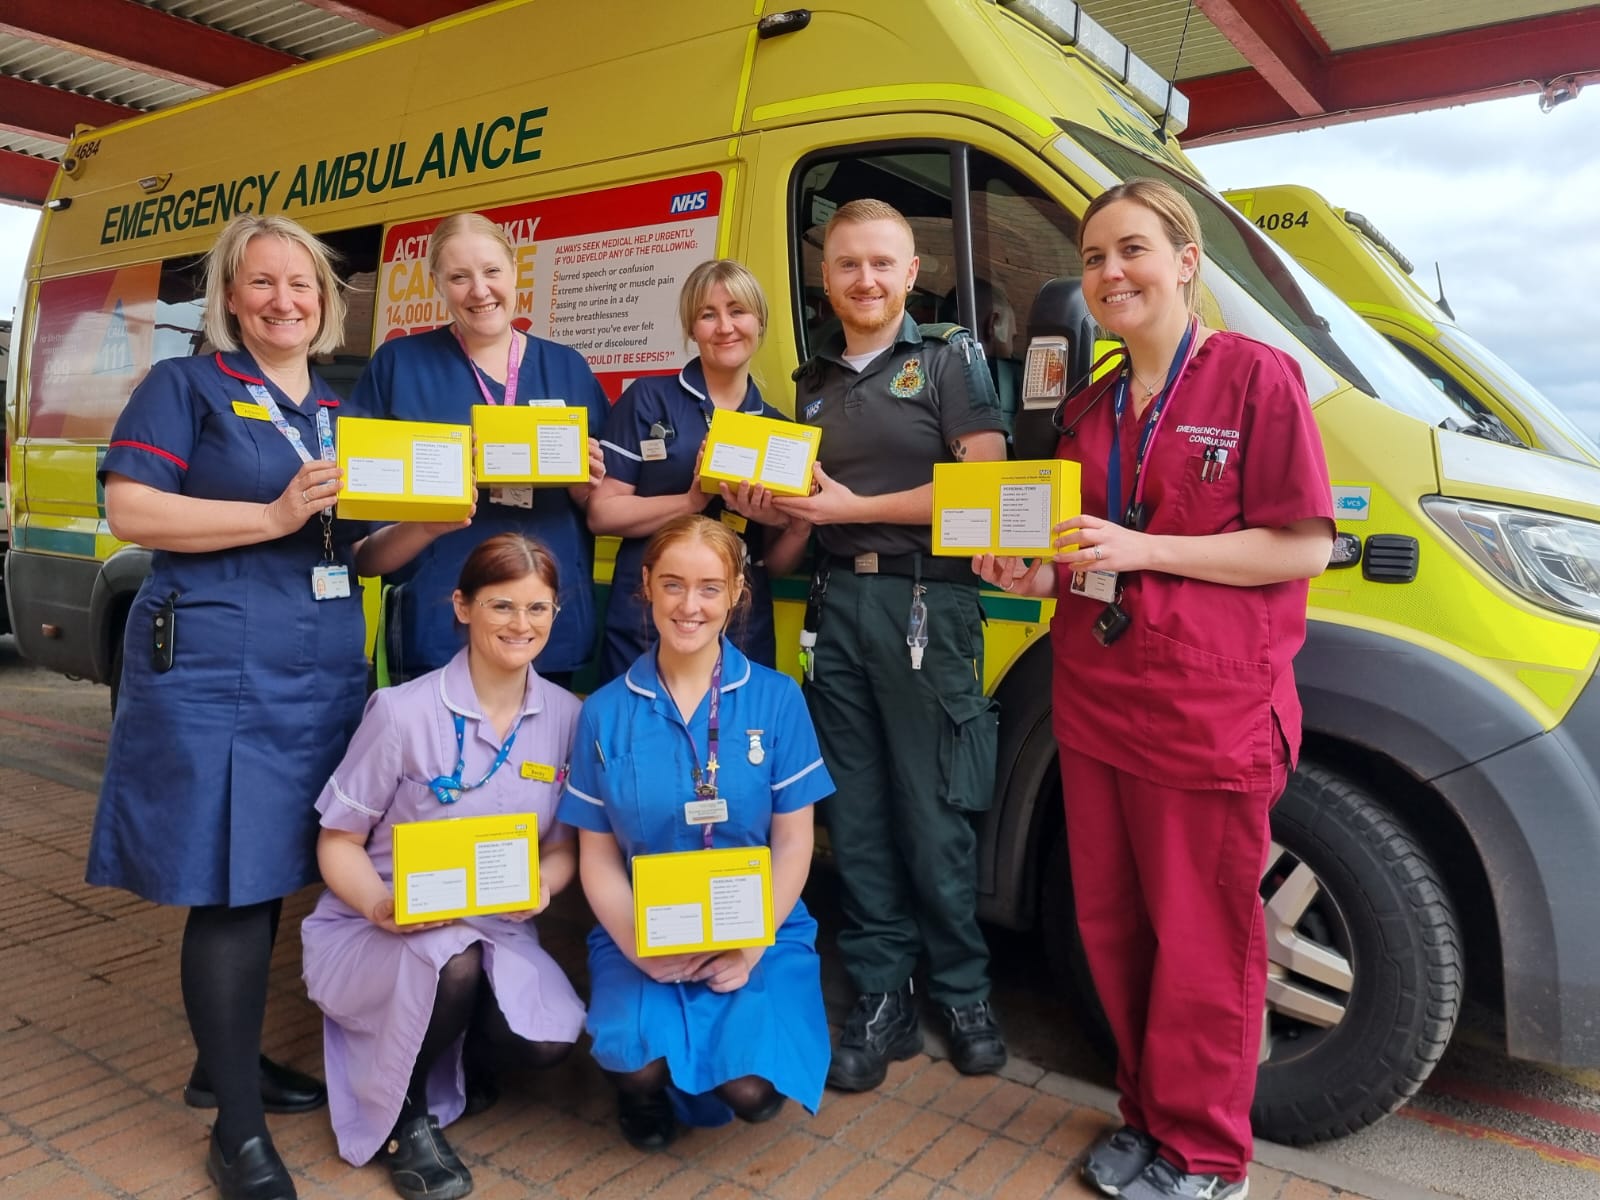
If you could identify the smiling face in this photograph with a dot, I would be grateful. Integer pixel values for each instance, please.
(478, 283)
(274, 298)
(868, 267)
(725, 331)
(508, 623)
(1133, 276)
(691, 595)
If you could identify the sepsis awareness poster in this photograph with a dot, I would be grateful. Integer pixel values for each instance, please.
(599, 272)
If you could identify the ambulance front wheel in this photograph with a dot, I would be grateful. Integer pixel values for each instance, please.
(1364, 978)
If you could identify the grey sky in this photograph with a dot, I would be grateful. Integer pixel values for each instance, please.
(1505, 198)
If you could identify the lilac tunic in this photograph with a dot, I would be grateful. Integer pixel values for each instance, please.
(376, 988)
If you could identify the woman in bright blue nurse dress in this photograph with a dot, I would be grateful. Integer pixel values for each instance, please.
(695, 1037)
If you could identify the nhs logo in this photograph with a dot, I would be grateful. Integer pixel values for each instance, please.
(690, 202)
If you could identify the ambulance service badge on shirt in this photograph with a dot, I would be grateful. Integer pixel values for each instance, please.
(910, 380)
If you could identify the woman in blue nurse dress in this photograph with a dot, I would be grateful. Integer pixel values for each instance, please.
(229, 723)
(699, 1037)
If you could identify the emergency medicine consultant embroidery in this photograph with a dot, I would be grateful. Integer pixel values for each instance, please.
(909, 382)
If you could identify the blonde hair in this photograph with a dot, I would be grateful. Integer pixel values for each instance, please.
(465, 222)
(859, 212)
(223, 262)
(723, 542)
(1178, 220)
(734, 276)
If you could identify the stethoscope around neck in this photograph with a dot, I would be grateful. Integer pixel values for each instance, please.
(1107, 386)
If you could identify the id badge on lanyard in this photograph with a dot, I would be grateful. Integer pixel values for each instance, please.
(330, 579)
(707, 808)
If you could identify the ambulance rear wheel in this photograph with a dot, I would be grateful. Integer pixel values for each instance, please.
(1364, 963)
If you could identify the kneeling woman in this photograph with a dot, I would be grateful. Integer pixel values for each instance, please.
(699, 1037)
(396, 1000)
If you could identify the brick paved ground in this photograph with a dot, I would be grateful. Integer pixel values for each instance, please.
(94, 1052)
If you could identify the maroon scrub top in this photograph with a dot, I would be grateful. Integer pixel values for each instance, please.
(1193, 694)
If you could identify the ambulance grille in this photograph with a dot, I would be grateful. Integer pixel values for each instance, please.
(1390, 558)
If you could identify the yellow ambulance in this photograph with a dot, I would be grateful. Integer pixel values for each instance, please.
(1369, 272)
(1445, 821)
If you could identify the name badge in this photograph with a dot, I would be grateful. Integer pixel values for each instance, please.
(705, 812)
(243, 408)
(539, 772)
(734, 521)
(512, 497)
(330, 582)
(653, 449)
(1097, 585)
(547, 402)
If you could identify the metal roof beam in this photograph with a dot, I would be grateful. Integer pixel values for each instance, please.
(24, 178)
(1518, 57)
(34, 110)
(131, 35)
(1277, 45)
(391, 16)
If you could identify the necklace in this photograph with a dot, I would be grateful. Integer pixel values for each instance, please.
(1149, 388)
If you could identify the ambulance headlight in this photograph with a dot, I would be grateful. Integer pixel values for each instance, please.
(1553, 561)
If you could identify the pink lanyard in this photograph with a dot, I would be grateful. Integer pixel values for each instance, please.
(513, 362)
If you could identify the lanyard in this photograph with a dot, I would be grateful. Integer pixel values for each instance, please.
(448, 788)
(292, 435)
(513, 362)
(1180, 359)
(705, 782)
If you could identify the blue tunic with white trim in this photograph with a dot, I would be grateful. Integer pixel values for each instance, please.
(428, 377)
(632, 773)
(215, 765)
(679, 405)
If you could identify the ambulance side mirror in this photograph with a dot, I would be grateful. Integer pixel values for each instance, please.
(1061, 341)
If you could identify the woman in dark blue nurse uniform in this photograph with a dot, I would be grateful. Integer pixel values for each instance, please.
(243, 669)
(480, 358)
(652, 446)
(699, 1037)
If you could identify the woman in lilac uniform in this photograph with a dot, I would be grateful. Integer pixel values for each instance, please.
(1178, 615)
(396, 1000)
(242, 671)
(481, 358)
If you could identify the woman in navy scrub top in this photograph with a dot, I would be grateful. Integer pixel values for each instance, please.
(699, 1037)
(480, 358)
(243, 669)
(652, 446)
(1181, 601)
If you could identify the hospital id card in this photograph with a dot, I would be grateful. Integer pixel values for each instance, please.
(702, 901)
(465, 867)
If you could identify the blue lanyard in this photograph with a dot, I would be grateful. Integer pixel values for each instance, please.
(447, 789)
(290, 433)
(1180, 359)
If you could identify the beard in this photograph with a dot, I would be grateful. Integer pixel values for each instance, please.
(894, 308)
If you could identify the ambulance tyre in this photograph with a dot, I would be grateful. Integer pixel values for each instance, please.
(1345, 885)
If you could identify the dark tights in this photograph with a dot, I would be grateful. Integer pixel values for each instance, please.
(464, 999)
(747, 1096)
(226, 955)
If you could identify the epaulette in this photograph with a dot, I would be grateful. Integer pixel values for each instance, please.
(980, 384)
(943, 331)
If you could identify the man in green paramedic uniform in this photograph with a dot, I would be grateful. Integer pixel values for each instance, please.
(906, 731)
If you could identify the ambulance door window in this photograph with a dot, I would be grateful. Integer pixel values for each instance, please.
(1013, 238)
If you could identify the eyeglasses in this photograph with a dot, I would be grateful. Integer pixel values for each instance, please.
(501, 612)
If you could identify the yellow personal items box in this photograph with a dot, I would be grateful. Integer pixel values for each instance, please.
(404, 470)
(465, 867)
(702, 900)
(774, 453)
(1002, 507)
(540, 444)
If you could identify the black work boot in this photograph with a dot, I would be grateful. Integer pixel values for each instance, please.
(881, 1028)
(976, 1047)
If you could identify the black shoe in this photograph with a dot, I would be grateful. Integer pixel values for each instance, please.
(283, 1090)
(767, 1111)
(881, 1028)
(976, 1047)
(483, 1092)
(422, 1166)
(647, 1122)
(1118, 1159)
(256, 1172)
